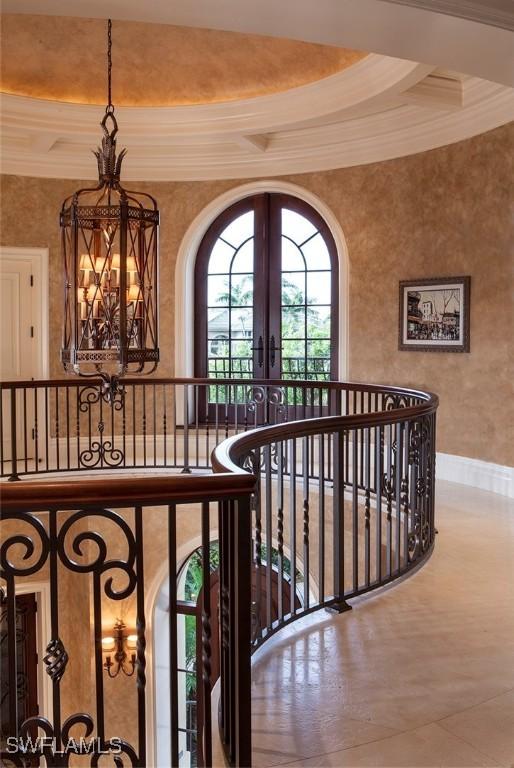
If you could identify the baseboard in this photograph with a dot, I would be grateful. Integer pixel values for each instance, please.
(479, 474)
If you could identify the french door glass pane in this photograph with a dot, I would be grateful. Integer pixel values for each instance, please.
(269, 296)
(305, 300)
(230, 300)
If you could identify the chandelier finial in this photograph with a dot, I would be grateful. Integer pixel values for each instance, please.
(109, 167)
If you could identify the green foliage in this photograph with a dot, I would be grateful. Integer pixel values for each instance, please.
(299, 322)
(193, 586)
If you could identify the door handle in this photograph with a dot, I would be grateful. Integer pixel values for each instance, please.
(260, 352)
(273, 349)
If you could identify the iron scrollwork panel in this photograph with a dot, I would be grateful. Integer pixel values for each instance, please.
(66, 542)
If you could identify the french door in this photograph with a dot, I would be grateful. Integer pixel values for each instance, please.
(266, 294)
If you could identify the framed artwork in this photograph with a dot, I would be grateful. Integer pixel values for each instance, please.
(434, 314)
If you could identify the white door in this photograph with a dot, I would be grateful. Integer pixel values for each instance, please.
(21, 354)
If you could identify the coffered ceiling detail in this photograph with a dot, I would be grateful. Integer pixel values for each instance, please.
(378, 109)
(338, 108)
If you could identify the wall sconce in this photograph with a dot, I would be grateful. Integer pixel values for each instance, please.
(120, 644)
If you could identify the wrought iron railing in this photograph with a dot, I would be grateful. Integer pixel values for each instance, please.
(75, 425)
(321, 492)
(90, 541)
(349, 502)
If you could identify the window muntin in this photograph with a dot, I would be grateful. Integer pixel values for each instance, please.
(266, 293)
(230, 300)
(306, 291)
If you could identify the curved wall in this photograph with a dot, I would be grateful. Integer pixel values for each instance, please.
(440, 213)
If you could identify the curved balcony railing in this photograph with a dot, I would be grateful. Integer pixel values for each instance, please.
(74, 425)
(354, 492)
(324, 491)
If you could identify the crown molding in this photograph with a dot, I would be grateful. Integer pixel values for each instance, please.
(389, 126)
(355, 87)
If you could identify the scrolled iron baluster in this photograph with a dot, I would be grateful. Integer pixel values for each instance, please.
(81, 718)
(101, 452)
(88, 396)
(255, 396)
(96, 748)
(42, 748)
(117, 747)
(8, 567)
(404, 504)
(389, 491)
(113, 393)
(57, 428)
(275, 397)
(225, 616)
(206, 647)
(393, 401)
(100, 564)
(141, 656)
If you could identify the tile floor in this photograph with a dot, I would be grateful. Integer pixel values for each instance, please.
(419, 675)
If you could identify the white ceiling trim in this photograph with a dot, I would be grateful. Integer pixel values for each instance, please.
(397, 129)
(355, 87)
(394, 29)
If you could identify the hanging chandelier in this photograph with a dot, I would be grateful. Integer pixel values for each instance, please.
(110, 258)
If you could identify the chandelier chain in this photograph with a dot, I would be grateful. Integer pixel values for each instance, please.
(110, 105)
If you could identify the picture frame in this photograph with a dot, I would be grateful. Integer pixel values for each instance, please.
(434, 314)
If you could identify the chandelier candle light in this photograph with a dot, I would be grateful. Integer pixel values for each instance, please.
(110, 256)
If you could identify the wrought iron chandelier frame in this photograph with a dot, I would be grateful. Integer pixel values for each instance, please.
(110, 248)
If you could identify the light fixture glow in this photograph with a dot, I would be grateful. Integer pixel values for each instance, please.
(120, 661)
(110, 243)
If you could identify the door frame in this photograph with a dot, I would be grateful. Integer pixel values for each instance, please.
(267, 311)
(38, 259)
(186, 258)
(41, 590)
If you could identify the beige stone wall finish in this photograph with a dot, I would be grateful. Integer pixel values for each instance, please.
(439, 213)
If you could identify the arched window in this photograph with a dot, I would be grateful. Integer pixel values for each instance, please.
(266, 285)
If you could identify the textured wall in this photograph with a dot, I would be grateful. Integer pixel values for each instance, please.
(440, 213)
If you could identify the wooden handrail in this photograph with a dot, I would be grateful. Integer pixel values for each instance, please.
(224, 456)
(287, 383)
(124, 491)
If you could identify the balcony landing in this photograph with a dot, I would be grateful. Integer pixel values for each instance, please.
(420, 675)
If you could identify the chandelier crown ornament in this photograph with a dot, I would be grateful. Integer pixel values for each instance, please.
(110, 258)
(109, 167)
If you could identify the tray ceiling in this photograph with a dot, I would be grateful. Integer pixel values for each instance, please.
(63, 59)
(195, 103)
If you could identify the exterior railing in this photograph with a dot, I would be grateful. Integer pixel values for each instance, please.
(321, 492)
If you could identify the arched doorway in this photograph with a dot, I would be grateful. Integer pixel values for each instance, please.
(189, 642)
(266, 293)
